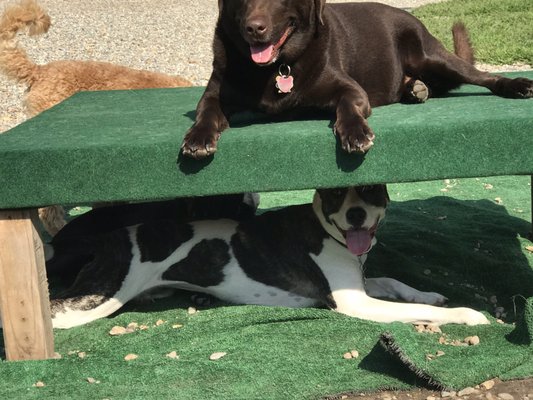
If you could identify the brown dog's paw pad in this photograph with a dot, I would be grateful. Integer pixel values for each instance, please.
(415, 91)
(420, 91)
(198, 144)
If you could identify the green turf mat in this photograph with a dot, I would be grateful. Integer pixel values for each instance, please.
(464, 238)
(123, 146)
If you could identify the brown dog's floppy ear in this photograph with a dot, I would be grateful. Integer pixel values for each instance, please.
(220, 5)
(319, 8)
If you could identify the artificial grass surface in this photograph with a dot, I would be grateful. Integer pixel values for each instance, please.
(472, 245)
(501, 30)
(123, 145)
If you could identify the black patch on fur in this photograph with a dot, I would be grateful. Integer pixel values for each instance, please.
(376, 195)
(203, 265)
(159, 239)
(332, 200)
(275, 249)
(102, 277)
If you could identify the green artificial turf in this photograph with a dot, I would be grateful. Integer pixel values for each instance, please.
(501, 30)
(123, 145)
(464, 238)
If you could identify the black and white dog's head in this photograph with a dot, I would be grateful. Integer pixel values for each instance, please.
(351, 215)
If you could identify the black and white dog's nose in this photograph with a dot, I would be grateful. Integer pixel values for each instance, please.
(356, 216)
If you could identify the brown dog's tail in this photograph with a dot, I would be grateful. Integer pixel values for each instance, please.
(461, 43)
(13, 60)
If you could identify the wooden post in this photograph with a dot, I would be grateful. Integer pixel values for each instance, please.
(24, 301)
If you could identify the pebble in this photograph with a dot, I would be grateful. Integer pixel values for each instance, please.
(117, 331)
(217, 356)
(173, 354)
(92, 380)
(447, 394)
(505, 396)
(472, 340)
(159, 322)
(351, 354)
(191, 310)
(82, 354)
(133, 325)
(39, 384)
(431, 398)
(487, 385)
(466, 391)
(131, 357)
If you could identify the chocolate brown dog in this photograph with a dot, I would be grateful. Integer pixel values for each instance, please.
(275, 56)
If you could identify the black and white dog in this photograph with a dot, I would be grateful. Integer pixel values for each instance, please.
(298, 256)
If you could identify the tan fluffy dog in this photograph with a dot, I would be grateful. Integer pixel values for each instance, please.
(51, 83)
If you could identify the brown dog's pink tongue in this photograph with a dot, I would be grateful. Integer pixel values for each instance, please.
(262, 54)
(358, 241)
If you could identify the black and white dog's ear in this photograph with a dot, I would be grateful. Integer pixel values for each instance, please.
(220, 5)
(319, 9)
(387, 193)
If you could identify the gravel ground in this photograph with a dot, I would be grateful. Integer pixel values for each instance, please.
(148, 34)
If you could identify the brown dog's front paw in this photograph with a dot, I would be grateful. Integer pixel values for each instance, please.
(200, 143)
(356, 137)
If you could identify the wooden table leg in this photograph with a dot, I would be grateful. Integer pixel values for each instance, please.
(24, 301)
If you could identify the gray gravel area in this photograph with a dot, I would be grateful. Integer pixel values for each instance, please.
(173, 37)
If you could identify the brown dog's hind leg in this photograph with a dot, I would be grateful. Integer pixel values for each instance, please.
(442, 71)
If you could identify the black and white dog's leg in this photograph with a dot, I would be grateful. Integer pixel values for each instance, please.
(389, 288)
(347, 287)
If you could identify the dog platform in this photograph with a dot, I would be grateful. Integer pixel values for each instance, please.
(124, 145)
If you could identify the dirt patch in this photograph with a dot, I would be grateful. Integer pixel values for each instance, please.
(507, 390)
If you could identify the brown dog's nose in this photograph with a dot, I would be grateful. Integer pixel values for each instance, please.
(256, 27)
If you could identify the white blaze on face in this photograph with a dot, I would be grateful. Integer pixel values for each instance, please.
(359, 240)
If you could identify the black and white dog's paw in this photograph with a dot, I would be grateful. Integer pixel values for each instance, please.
(153, 294)
(431, 298)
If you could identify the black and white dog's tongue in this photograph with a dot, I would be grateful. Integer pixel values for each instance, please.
(358, 241)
